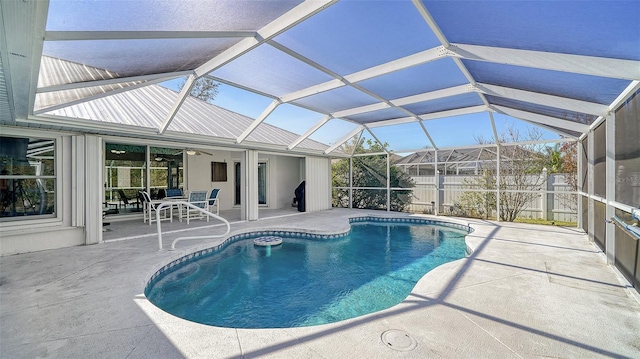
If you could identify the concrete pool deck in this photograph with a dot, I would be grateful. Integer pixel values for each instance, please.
(526, 291)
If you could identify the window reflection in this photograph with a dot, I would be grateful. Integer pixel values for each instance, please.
(167, 170)
(125, 171)
(126, 175)
(27, 177)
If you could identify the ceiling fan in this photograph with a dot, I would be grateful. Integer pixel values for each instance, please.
(193, 152)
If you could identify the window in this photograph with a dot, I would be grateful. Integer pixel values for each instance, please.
(27, 177)
(125, 172)
(166, 170)
(218, 172)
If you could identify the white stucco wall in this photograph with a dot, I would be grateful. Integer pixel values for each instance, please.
(284, 178)
(199, 175)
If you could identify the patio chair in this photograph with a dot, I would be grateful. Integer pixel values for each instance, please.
(173, 192)
(150, 209)
(198, 199)
(126, 201)
(213, 201)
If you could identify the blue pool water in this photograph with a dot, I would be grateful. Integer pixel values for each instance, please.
(305, 281)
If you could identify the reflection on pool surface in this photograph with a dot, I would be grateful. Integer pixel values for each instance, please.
(305, 281)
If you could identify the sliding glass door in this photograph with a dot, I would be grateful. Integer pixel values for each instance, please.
(262, 183)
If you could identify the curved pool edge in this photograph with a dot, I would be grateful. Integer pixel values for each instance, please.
(196, 251)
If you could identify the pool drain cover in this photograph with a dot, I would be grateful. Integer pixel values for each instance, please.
(398, 340)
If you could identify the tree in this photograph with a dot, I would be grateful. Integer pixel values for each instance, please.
(370, 171)
(205, 88)
(568, 167)
(520, 176)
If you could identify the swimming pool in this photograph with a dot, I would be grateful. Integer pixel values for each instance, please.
(308, 279)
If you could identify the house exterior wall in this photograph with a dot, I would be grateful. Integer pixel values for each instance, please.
(318, 183)
(36, 233)
(284, 177)
(198, 178)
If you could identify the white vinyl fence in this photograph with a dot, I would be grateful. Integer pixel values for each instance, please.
(555, 202)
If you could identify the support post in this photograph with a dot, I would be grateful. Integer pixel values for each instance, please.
(436, 184)
(252, 184)
(610, 191)
(388, 184)
(590, 175)
(544, 200)
(498, 183)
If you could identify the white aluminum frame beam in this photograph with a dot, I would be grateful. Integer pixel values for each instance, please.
(433, 95)
(452, 113)
(182, 96)
(274, 28)
(97, 96)
(543, 99)
(21, 52)
(416, 59)
(375, 71)
(113, 81)
(545, 120)
(142, 35)
(561, 132)
(586, 65)
(395, 121)
(272, 106)
(309, 132)
(362, 109)
(344, 139)
(376, 138)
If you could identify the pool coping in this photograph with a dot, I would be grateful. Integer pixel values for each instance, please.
(194, 252)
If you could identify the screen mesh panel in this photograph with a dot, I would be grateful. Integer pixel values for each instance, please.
(543, 110)
(132, 57)
(444, 104)
(475, 125)
(408, 136)
(270, 70)
(159, 15)
(350, 36)
(518, 25)
(580, 87)
(600, 234)
(342, 98)
(427, 77)
(627, 159)
(386, 114)
(600, 160)
(293, 118)
(627, 252)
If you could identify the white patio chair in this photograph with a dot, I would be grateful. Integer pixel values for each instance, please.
(150, 210)
(198, 199)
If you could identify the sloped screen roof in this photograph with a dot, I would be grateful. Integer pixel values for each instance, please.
(371, 64)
